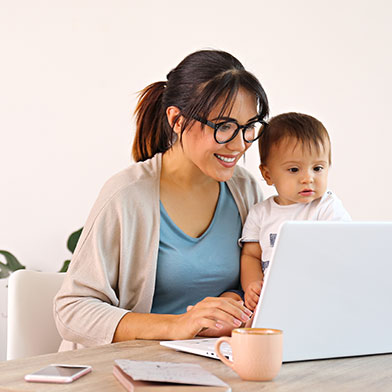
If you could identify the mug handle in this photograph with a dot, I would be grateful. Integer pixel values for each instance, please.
(220, 355)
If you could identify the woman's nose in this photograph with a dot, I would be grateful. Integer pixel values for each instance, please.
(238, 143)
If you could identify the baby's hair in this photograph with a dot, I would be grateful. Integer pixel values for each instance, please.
(304, 128)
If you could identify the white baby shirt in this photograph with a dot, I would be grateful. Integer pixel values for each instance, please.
(265, 218)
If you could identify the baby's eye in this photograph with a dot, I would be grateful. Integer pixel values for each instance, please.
(318, 168)
(293, 169)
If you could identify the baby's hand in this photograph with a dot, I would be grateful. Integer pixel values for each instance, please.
(252, 294)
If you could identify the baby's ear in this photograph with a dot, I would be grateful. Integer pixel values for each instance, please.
(266, 174)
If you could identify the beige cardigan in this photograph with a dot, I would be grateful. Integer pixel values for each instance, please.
(113, 268)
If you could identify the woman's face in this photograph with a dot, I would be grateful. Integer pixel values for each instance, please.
(218, 160)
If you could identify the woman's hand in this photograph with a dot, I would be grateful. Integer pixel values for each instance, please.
(213, 316)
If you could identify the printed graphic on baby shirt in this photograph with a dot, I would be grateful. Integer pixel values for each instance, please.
(272, 238)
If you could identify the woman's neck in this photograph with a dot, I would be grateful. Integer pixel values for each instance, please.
(179, 170)
(188, 195)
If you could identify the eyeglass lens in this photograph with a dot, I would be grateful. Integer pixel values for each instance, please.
(225, 131)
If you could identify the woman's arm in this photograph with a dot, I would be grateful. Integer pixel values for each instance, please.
(210, 313)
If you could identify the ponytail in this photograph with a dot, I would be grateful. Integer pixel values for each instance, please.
(153, 133)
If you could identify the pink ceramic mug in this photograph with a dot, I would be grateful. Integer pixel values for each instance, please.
(257, 352)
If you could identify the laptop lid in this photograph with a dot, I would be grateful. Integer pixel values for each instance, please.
(329, 289)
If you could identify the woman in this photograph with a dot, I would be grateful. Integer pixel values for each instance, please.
(162, 237)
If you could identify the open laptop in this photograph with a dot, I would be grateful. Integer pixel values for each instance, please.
(328, 287)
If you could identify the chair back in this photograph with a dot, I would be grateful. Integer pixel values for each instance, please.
(31, 328)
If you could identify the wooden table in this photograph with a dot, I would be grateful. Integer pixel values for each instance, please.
(369, 373)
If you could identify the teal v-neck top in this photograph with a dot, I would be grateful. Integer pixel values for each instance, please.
(190, 269)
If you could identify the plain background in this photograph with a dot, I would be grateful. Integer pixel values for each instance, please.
(70, 72)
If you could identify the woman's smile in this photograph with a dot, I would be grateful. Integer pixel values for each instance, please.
(227, 160)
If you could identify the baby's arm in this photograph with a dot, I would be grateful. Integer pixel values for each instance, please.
(251, 273)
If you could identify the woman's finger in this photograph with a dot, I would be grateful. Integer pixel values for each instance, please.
(218, 315)
(229, 305)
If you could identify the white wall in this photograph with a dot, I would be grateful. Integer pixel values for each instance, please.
(70, 70)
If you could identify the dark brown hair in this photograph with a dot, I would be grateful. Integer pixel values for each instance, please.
(194, 86)
(306, 129)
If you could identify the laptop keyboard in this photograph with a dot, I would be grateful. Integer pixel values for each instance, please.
(209, 346)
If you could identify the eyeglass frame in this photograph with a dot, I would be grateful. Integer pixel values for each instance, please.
(215, 127)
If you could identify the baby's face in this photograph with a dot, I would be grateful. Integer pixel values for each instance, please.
(299, 173)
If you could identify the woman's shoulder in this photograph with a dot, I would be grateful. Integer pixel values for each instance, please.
(137, 180)
(245, 189)
(242, 176)
(148, 170)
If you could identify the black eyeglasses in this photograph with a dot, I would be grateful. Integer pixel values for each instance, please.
(226, 131)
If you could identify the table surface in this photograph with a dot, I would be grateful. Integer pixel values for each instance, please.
(367, 373)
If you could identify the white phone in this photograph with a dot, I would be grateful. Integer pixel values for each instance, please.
(58, 373)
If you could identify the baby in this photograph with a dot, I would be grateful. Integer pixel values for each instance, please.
(295, 156)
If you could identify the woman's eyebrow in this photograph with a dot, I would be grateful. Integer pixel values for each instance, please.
(223, 118)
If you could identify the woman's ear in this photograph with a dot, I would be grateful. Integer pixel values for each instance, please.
(266, 174)
(172, 113)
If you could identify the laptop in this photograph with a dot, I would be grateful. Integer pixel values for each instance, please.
(328, 287)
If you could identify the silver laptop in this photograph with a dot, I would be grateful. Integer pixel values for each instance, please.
(328, 287)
